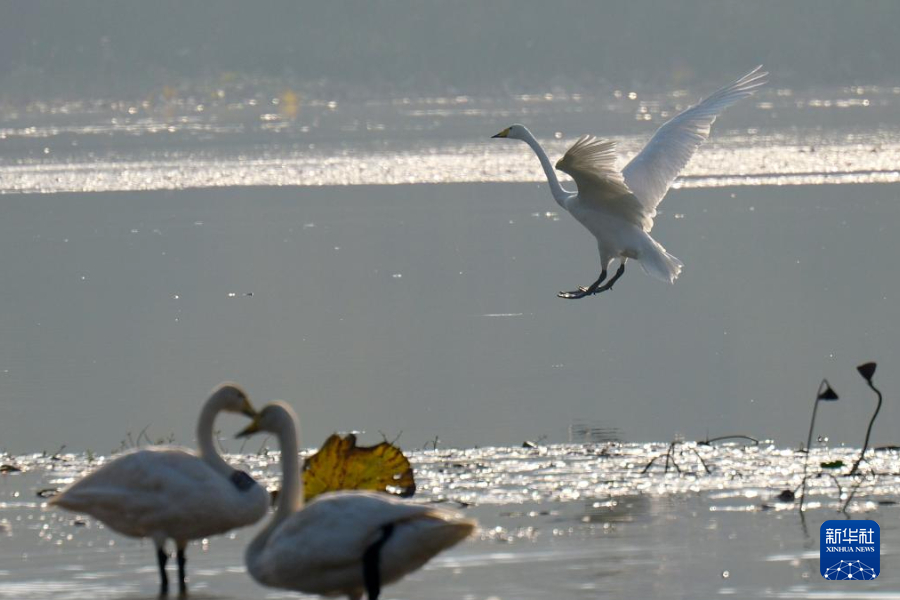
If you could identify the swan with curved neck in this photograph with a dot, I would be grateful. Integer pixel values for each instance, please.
(173, 493)
(341, 543)
(520, 132)
(618, 206)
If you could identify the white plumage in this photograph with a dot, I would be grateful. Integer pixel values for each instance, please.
(173, 493)
(342, 543)
(618, 207)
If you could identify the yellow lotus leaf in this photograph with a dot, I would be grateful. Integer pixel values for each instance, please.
(342, 465)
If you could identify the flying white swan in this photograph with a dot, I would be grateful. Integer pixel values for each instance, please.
(618, 206)
(164, 493)
(341, 543)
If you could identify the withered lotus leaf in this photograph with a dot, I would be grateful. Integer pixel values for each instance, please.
(342, 465)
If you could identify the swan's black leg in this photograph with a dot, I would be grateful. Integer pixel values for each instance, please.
(619, 272)
(582, 291)
(162, 558)
(182, 577)
(372, 563)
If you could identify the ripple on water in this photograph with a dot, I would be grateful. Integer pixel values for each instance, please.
(726, 162)
(554, 519)
(732, 475)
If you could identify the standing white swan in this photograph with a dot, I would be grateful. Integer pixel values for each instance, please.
(164, 493)
(341, 543)
(618, 206)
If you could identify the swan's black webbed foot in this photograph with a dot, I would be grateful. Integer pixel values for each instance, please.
(372, 563)
(573, 295)
(594, 288)
(584, 291)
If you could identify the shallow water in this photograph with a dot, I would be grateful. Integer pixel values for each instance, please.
(428, 312)
(431, 311)
(580, 521)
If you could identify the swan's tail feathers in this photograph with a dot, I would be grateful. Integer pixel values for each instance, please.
(448, 529)
(74, 501)
(416, 541)
(66, 499)
(438, 531)
(658, 263)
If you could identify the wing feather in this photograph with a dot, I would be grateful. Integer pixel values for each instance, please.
(163, 489)
(651, 172)
(591, 162)
(335, 529)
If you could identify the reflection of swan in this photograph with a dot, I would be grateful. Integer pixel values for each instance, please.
(341, 542)
(164, 493)
(618, 206)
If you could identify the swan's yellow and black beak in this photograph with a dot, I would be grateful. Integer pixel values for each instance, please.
(250, 429)
(248, 409)
(502, 134)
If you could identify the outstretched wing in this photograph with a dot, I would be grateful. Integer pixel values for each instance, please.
(591, 162)
(651, 172)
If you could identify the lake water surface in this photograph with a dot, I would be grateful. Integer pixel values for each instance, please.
(431, 311)
(384, 267)
(580, 521)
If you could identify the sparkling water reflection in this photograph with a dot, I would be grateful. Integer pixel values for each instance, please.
(180, 143)
(737, 476)
(557, 520)
(806, 159)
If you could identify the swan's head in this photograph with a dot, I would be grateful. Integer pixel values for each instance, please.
(272, 419)
(513, 132)
(230, 397)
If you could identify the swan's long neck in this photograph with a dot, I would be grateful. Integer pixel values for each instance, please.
(559, 193)
(206, 446)
(289, 498)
